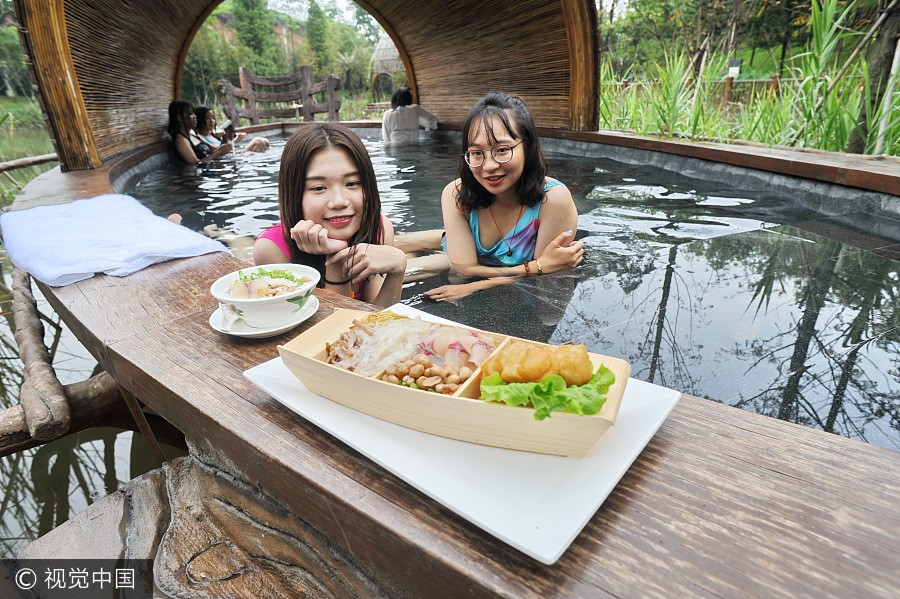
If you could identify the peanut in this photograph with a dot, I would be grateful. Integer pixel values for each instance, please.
(430, 381)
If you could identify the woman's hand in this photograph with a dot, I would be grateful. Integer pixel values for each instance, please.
(312, 238)
(360, 262)
(449, 293)
(561, 254)
(221, 150)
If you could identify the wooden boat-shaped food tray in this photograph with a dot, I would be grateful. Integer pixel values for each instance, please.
(459, 416)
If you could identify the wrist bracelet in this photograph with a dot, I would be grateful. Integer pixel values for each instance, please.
(527, 270)
(540, 270)
(336, 282)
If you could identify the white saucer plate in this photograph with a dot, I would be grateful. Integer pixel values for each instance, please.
(240, 329)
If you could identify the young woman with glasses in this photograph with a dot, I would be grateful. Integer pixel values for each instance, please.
(504, 218)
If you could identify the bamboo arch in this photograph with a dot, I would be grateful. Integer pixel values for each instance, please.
(106, 69)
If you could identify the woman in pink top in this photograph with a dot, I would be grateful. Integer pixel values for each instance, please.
(331, 216)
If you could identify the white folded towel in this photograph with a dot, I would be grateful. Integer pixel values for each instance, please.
(113, 234)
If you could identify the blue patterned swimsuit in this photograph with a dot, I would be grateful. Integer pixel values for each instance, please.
(522, 242)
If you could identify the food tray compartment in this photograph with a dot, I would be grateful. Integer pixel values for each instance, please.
(460, 416)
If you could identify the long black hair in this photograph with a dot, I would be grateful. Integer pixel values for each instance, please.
(306, 142)
(513, 114)
(180, 113)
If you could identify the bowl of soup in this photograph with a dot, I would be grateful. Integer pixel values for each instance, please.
(267, 296)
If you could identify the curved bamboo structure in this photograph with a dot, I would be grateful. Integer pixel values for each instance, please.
(106, 69)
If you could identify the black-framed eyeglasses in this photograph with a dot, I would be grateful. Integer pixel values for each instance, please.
(500, 154)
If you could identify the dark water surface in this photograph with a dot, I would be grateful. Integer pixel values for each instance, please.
(777, 303)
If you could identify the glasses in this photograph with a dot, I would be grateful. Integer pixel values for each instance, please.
(500, 154)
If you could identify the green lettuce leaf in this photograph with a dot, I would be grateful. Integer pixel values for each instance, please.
(551, 394)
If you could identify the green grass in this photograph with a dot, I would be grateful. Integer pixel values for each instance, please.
(24, 113)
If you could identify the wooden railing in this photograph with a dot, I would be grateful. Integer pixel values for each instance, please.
(11, 165)
(297, 90)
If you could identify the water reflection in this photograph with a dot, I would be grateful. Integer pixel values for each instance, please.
(45, 486)
(778, 321)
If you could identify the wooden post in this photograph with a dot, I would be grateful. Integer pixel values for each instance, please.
(773, 85)
(143, 426)
(332, 83)
(729, 83)
(45, 41)
(226, 92)
(247, 86)
(581, 33)
(306, 90)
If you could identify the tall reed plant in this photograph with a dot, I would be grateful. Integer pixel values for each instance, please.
(803, 113)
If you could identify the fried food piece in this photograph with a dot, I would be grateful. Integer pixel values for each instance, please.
(573, 364)
(521, 362)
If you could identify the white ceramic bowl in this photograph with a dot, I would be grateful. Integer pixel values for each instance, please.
(266, 312)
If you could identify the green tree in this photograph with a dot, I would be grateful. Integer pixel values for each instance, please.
(14, 77)
(318, 31)
(253, 23)
(366, 25)
(210, 59)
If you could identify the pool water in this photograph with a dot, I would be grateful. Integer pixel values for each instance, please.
(734, 293)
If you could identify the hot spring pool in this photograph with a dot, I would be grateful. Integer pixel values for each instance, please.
(781, 301)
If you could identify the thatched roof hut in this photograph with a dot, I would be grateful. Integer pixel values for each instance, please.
(386, 63)
(106, 69)
(385, 57)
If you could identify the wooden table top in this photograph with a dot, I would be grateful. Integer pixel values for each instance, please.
(721, 502)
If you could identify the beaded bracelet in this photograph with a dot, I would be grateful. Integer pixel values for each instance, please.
(527, 270)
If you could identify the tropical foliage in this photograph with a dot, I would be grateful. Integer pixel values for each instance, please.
(819, 105)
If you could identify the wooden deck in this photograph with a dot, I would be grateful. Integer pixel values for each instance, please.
(722, 502)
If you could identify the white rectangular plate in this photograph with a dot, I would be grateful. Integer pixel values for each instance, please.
(534, 502)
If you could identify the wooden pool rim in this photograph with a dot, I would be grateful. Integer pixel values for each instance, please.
(878, 174)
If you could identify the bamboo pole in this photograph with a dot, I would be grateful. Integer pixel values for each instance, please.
(11, 165)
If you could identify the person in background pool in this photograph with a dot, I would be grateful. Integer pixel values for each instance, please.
(206, 131)
(400, 124)
(331, 217)
(189, 147)
(504, 218)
